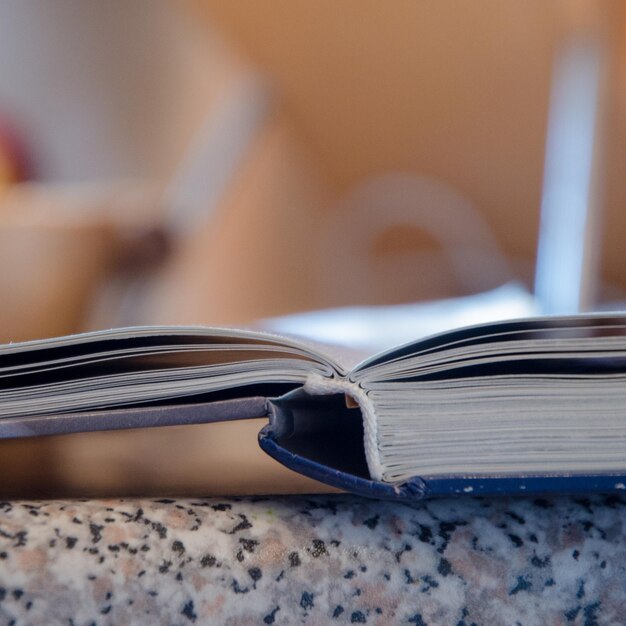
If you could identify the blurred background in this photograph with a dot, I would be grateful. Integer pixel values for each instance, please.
(219, 163)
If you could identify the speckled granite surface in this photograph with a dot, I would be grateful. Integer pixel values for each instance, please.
(313, 560)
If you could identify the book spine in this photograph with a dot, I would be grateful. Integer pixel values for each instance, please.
(320, 385)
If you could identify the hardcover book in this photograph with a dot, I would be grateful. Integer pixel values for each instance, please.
(526, 406)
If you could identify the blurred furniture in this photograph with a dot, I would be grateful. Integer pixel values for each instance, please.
(58, 245)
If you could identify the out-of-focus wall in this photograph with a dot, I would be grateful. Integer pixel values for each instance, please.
(455, 90)
(107, 90)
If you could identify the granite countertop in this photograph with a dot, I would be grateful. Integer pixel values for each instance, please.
(313, 560)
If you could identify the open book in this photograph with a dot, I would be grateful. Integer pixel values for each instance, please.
(535, 405)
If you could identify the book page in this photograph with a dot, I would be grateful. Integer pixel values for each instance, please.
(125, 367)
